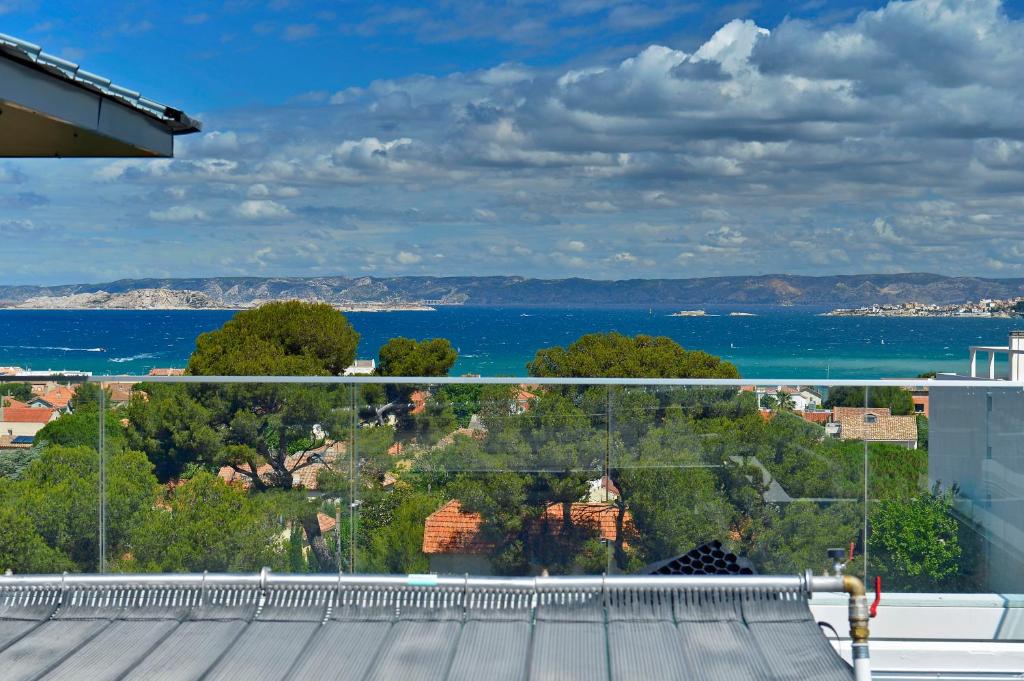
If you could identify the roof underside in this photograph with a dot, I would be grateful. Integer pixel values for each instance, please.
(407, 632)
(50, 107)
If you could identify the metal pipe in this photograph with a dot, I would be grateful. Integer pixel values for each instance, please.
(859, 615)
(271, 579)
(534, 380)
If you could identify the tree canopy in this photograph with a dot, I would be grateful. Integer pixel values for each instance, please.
(613, 355)
(278, 339)
(409, 357)
(897, 399)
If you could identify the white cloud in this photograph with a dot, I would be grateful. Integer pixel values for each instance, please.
(407, 258)
(261, 210)
(575, 246)
(178, 214)
(625, 257)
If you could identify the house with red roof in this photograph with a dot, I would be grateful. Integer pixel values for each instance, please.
(59, 398)
(22, 421)
(454, 543)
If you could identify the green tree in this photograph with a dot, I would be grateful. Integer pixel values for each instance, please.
(391, 531)
(88, 394)
(409, 357)
(207, 524)
(897, 399)
(81, 428)
(282, 426)
(174, 430)
(15, 390)
(59, 494)
(23, 549)
(613, 355)
(916, 541)
(278, 339)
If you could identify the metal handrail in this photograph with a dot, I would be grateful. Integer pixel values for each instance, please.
(533, 380)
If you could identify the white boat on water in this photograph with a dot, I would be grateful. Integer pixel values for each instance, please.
(688, 313)
(742, 314)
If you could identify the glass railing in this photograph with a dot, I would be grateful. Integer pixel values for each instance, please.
(919, 482)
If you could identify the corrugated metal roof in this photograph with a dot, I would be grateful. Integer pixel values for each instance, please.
(410, 633)
(176, 121)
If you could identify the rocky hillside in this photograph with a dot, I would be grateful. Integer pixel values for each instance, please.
(237, 292)
(139, 299)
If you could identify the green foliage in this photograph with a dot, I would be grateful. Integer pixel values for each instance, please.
(18, 391)
(14, 461)
(897, 399)
(392, 532)
(210, 525)
(616, 355)
(408, 357)
(464, 400)
(81, 428)
(278, 339)
(88, 395)
(58, 494)
(23, 549)
(171, 427)
(797, 535)
(922, 432)
(916, 541)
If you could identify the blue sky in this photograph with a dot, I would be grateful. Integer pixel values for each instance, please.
(594, 138)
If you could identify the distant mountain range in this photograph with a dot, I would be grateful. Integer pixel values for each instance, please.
(782, 289)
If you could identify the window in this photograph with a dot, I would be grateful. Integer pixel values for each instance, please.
(870, 418)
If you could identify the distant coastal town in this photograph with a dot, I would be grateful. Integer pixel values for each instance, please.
(986, 307)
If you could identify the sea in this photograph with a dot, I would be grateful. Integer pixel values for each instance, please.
(775, 342)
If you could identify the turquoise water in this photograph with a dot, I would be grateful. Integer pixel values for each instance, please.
(777, 343)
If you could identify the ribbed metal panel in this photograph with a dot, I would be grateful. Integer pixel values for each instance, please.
(188, 652)
(341, 651)
(569, 651)
(417, 651)
(643, 651)
(264, 652)
(113, 651)
(182, 629)
(492, 650)
(47, 646)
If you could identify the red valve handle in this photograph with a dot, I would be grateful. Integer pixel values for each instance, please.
(878, 596)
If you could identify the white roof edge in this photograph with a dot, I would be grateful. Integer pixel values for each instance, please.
(176, 121)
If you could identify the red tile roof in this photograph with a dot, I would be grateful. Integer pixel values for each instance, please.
(27, 415)
(59, 396)
(452, 530)
(166, 372)
(327, 523)
(11, 402)
(419, 401)
(820, 417)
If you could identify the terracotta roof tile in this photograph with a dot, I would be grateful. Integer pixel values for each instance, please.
(884, 428)
(326, 522)
(27, 415)
(452, 530)
(59, 396)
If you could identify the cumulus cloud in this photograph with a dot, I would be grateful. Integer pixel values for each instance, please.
(178, 214)
(261, 210)
(754, 149)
